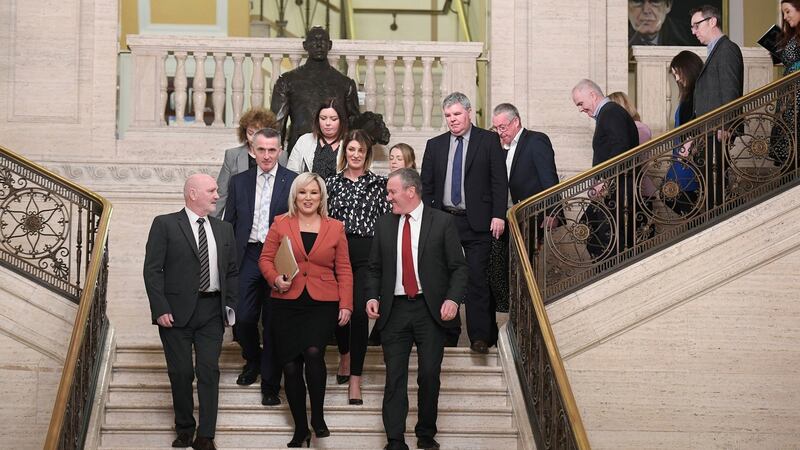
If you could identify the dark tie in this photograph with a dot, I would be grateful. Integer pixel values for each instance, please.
(409, 279)
(205, 274)
(455, 179)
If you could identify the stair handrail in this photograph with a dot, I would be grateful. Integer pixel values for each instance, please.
(747, 124)
(21, 179)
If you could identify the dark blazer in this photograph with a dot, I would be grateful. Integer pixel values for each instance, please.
(614, 134)
(722, 78)
(242, 201)
(172, 267)
(324, 271)
(534, 166)
(441, 265)
(236, 161)
(485, 180)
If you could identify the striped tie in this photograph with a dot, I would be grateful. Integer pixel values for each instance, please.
(205, 275)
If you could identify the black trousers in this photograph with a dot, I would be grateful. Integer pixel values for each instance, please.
(357, 330)
(479, 304)
(411, 323)
(254, 304)
(204, 333)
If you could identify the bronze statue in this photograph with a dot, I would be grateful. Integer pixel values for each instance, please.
(299, 91)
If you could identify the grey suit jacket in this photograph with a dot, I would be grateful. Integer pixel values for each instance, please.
(235, 162)
(441, 265)
(722, 78)
(172, 267)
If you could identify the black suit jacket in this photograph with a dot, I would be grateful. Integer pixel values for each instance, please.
(440, 263)
(240, 207)
(533, 168)
(172, 267)
(614, 134)
(485, 181)
(722, 78)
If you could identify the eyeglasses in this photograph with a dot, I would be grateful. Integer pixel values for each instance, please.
(696, 25)
(505, 127)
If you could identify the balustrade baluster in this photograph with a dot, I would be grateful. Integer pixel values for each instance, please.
(370, 85)
(162, 91)
(352, 66)
(427, 91)
(180, 85)
(389, 91)
(295, 60)
(276, 70)
(199, 87)
(257, 82)
(218, 97)
(237, 87)
(408, 93)
(444, 86)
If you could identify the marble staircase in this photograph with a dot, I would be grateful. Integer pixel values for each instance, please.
(475, 409)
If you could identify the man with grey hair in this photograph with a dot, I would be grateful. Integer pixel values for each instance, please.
(615, 133)
(464, 174)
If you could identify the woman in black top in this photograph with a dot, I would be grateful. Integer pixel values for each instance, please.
(357, 197)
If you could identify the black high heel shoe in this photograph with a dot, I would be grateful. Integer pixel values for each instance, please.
(342, 379)
(321, 431)
(353, 401)
(297, 443)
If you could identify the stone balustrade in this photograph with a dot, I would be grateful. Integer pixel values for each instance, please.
(244, 70)
(657, 94)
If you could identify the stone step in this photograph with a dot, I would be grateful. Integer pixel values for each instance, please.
(487, 376)
(458, 396)
(240, 438)
(231, 354)
(258, 416)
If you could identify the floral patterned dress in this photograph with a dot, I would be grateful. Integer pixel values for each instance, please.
(781, 148)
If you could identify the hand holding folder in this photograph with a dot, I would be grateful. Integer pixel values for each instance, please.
(285, 263)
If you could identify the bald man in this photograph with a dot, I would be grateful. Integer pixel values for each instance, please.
(190, 275)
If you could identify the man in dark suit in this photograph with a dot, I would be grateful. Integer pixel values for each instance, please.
(615, 133)
(464, 174)
(255, 197)
(417, 278)
(721, 81)
(190, 275)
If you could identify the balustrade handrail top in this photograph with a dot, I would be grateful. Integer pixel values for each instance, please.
(294, 46)
(669, 51)
(668, 136)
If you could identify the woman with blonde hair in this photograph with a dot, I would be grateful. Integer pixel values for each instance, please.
(401, 155)
(620, 98)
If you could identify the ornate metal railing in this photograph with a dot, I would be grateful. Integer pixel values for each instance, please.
(627, 208)
(54, 232)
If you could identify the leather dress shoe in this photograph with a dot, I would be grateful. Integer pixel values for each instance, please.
(396, 445)
(480, 346)
(248, 376)
(203, 443)
(427, 444)
(183, 440)
(268, 399)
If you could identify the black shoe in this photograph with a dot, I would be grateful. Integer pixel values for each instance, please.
(321, 431)
(268, 399)
(427, 444)
(396, 445)
(342, 379)
(248, 376)
(183, 440)
(203, 443)
(296, 443)
(479, 346)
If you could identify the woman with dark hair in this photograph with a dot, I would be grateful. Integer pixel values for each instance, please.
(241, 158)
(318, 151)
(685, 68)
(357, 197)
(789, 52)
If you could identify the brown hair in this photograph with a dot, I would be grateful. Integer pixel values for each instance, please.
(787, 32)
(408, 154)
(708, 11)
(256, 118)
(334, 104)
(621, 99)
(364, 140)
(688, 67)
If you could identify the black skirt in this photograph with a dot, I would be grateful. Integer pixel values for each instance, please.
(300, 324)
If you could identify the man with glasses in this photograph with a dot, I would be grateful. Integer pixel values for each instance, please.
(720, 82)
(650, 24)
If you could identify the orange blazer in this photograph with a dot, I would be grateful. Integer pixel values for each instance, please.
(325, 271)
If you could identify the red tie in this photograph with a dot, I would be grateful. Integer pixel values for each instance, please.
(409, 279)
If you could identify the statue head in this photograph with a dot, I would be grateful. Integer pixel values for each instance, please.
(317, 44)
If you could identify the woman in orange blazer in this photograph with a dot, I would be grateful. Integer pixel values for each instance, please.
(307, 308)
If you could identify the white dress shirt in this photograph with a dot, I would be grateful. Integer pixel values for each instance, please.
(213, 269)
(416, 224)
(512, 150)
(257, 205)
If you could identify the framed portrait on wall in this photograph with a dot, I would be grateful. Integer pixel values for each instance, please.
(666, 22)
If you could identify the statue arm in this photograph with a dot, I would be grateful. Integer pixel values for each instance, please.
(280, 104)
(351, 102)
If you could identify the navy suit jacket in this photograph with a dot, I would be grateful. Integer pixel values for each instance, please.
(533, 168)
(722, 79)
(240, 207)
(614, 134)
(485, 180)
